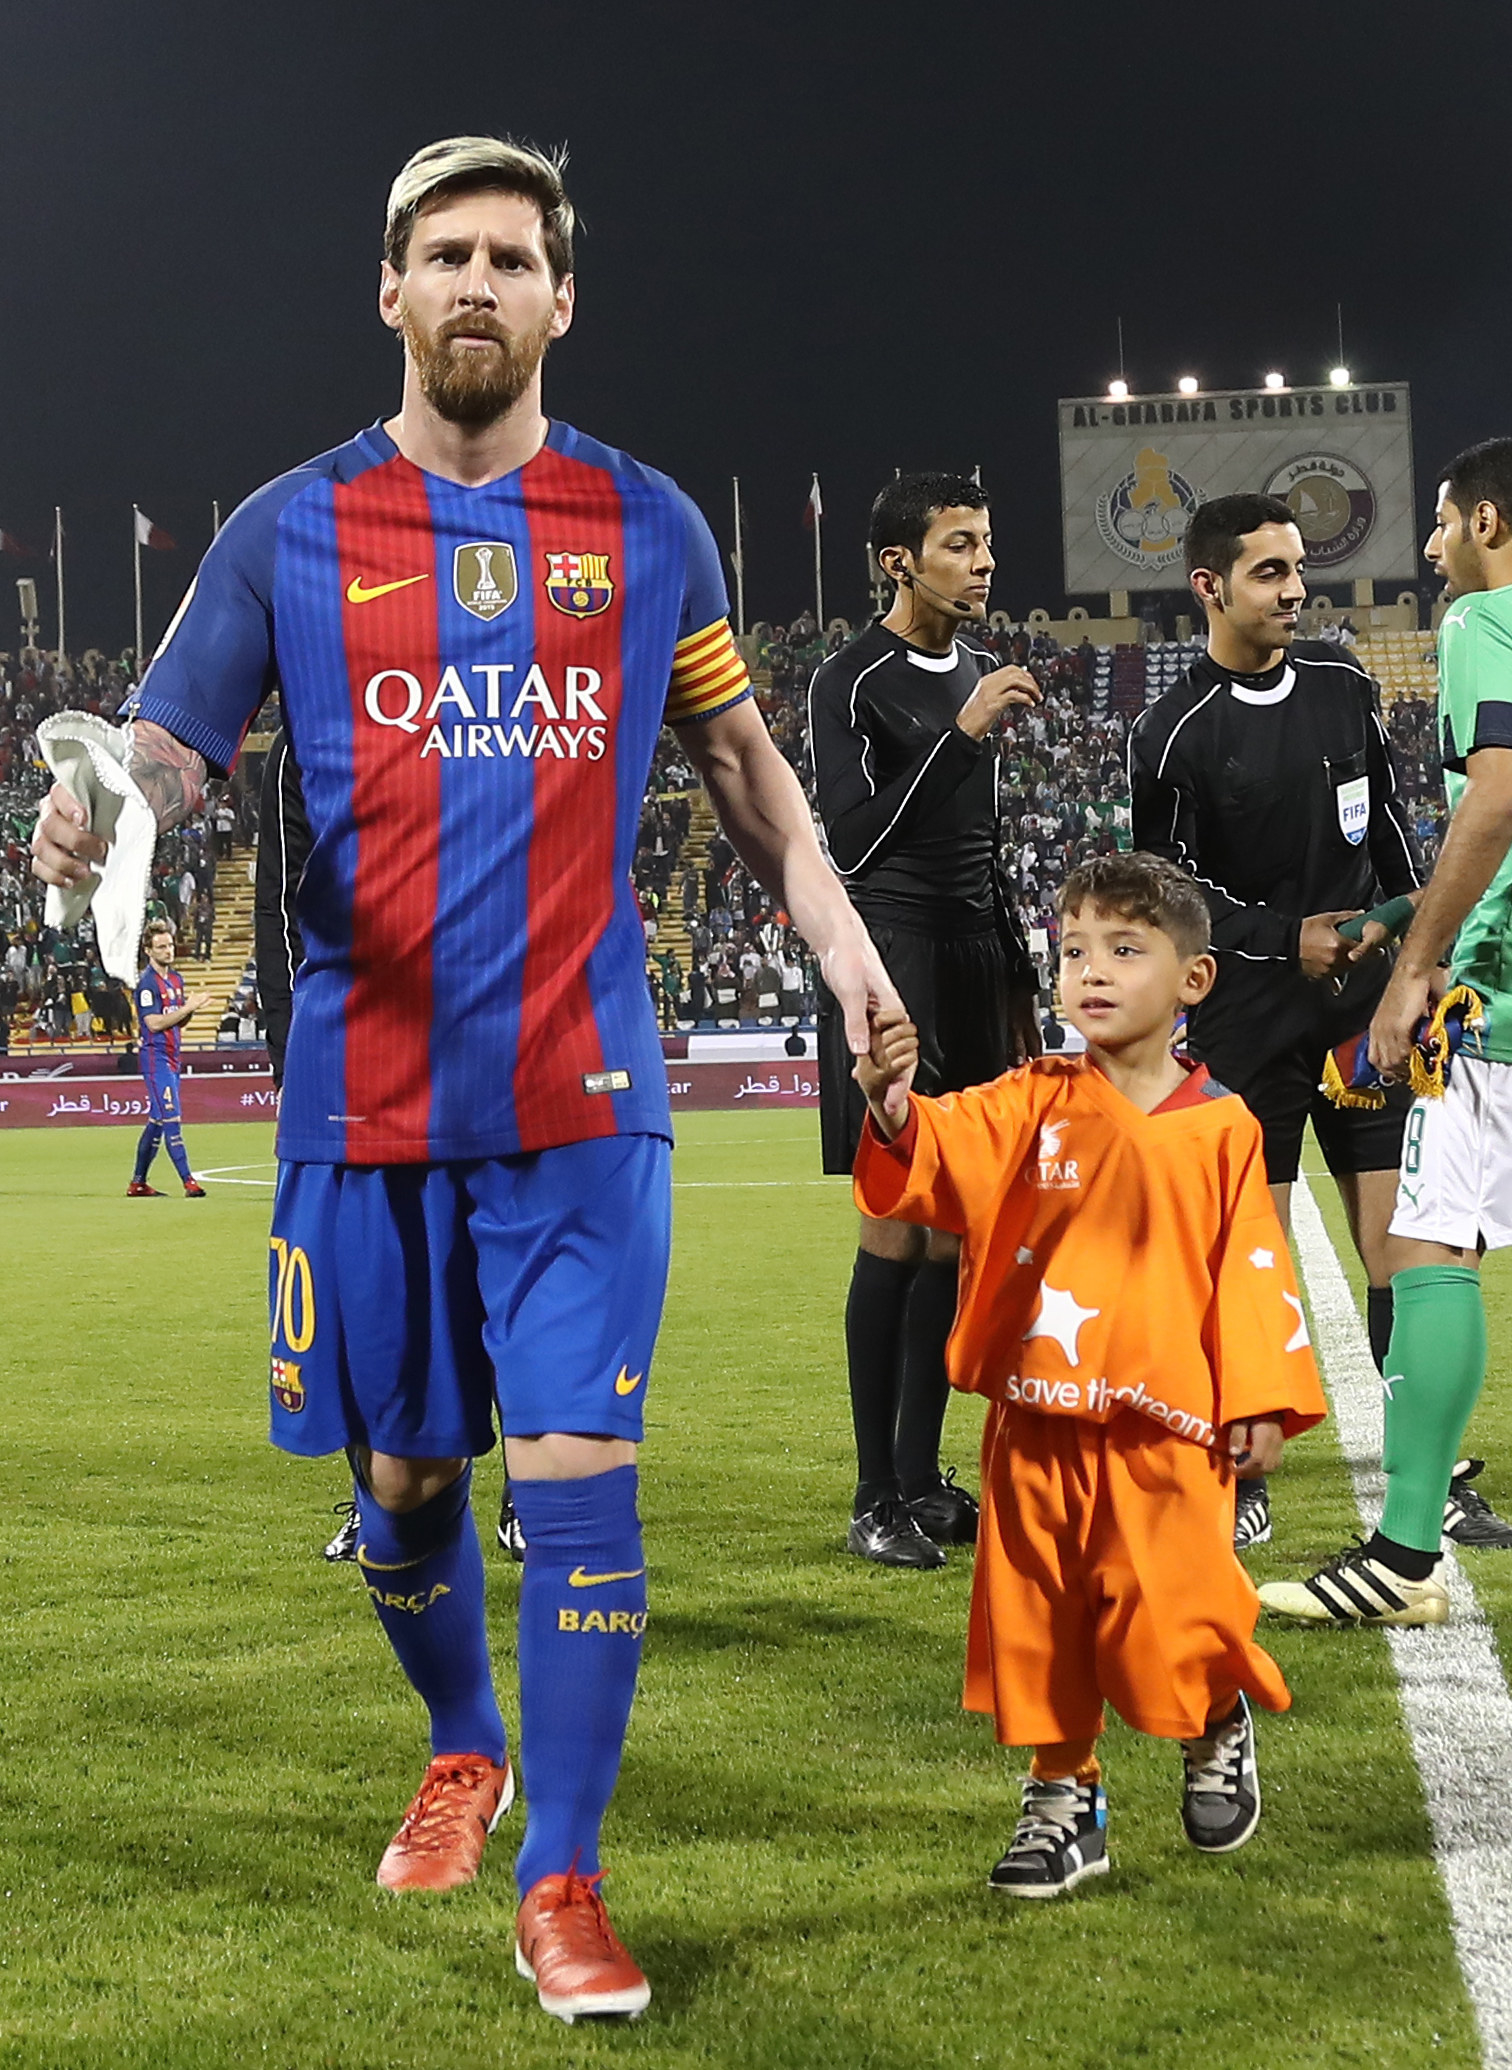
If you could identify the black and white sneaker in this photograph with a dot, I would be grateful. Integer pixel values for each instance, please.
(1355, 1589)
(511, 1535)
(888, 1534)
(1252, 1515)
(947, 1514)
(344, 1545)
(1220, 1807)
(1061, 1839)
(1469, 1518)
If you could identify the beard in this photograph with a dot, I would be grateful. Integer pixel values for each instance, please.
(464, 384)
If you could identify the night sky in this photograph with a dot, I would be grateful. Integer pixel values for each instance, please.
(816, 236)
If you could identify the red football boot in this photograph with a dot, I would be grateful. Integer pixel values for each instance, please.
(140, 1190)
(440, 1842)
(194, 1190)
(577, 1962)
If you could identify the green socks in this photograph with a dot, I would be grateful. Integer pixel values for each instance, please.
(1434, 1371)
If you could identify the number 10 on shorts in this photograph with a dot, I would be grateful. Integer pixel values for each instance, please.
(293, 1302)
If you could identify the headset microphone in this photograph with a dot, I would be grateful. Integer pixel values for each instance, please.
(953, 603)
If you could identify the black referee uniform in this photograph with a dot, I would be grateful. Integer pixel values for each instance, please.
(911, 813)
(1278, 793)
(910, 810)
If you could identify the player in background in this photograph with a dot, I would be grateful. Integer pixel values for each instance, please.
(1454, 1200)
(283, 849)
(1128, 1309)
(478, 620)
(900, 726)
(163, 1007)
(1267, 774)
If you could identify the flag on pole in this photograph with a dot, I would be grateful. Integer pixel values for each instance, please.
(813, 508)
(149, 534)
(10, 544)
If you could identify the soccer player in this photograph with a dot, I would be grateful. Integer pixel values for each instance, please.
(1454, 1200)
(1266, 773)
(162, 1009)
(900, 726)
(478, 620)
(1129, 1310)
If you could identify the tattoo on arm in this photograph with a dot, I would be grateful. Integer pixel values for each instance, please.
(171, 777)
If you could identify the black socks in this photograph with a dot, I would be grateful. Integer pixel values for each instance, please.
(921, 1408)
(1379, 1308)
(874, 1312)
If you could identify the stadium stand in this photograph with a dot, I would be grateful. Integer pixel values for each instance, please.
(718, 954)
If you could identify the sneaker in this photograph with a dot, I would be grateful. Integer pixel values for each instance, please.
(193, 1190)
(1354, 1589)
(511, 1533)
(947, 1514)
(440, 1842)
(1469, 1518)
(1220, 1807)
(566, 1947)
(140, 1190)
(888, 1534)
(1252, 1517)
(344, 1545)
(1060, 1840)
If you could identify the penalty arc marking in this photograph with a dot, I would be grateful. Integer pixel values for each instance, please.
(1454, 1698)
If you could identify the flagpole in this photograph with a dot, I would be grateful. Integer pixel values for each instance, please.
(818, 503)
(136, 553)
(58, 565)
(740, 622)
(214, 516)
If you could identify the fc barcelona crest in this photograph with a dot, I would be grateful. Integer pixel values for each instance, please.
(484, 580)
(578, 583)
(288, 1388)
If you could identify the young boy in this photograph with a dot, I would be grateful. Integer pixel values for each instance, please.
(1127, 1304)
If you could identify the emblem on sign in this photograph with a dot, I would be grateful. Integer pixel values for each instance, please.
(1334, 505)
(1354, 809)
(484, 580)
(578, 583)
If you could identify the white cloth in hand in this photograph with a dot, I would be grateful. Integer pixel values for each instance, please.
(88, 757)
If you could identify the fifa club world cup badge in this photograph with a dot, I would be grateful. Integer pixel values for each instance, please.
(484, 580)
(578, 583)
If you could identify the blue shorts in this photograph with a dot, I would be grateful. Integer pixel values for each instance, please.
(407, 1299)
(163, 1102)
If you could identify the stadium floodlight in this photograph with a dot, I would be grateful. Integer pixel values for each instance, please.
(1118, 391)
(1340, 376)
(1275, 380)
(1187, 385)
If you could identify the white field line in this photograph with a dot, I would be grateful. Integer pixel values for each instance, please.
(1454, 1697)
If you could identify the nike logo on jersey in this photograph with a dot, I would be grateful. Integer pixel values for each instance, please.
(626, 1382)
(578, 1579)
(359, 593)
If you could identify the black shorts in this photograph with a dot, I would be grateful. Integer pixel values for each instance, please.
(1283, 1096)
(956, 991)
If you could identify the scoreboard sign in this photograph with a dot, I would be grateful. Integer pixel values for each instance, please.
(1133, 472)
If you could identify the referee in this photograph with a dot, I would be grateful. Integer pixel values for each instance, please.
(907, 781)
(1266, 773)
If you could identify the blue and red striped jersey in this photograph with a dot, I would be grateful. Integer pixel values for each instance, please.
(473, 680)
(158, 991)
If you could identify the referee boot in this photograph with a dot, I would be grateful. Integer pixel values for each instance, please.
(1469, 1519)
(887, 1533)
(946, 1513)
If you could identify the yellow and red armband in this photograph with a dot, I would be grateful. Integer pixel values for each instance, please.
(708, 675)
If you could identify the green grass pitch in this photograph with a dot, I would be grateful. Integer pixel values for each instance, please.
(206, 1743)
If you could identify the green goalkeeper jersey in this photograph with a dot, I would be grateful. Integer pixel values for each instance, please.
(1475, 711)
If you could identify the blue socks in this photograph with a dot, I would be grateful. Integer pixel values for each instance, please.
(582, 1613)
(173, 1143)
(171, 1136)
(424, 1573)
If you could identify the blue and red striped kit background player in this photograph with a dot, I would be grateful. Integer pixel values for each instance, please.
(162, 1008)
(478, 621)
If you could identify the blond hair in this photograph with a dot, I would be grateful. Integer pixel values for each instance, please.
(465, 165)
